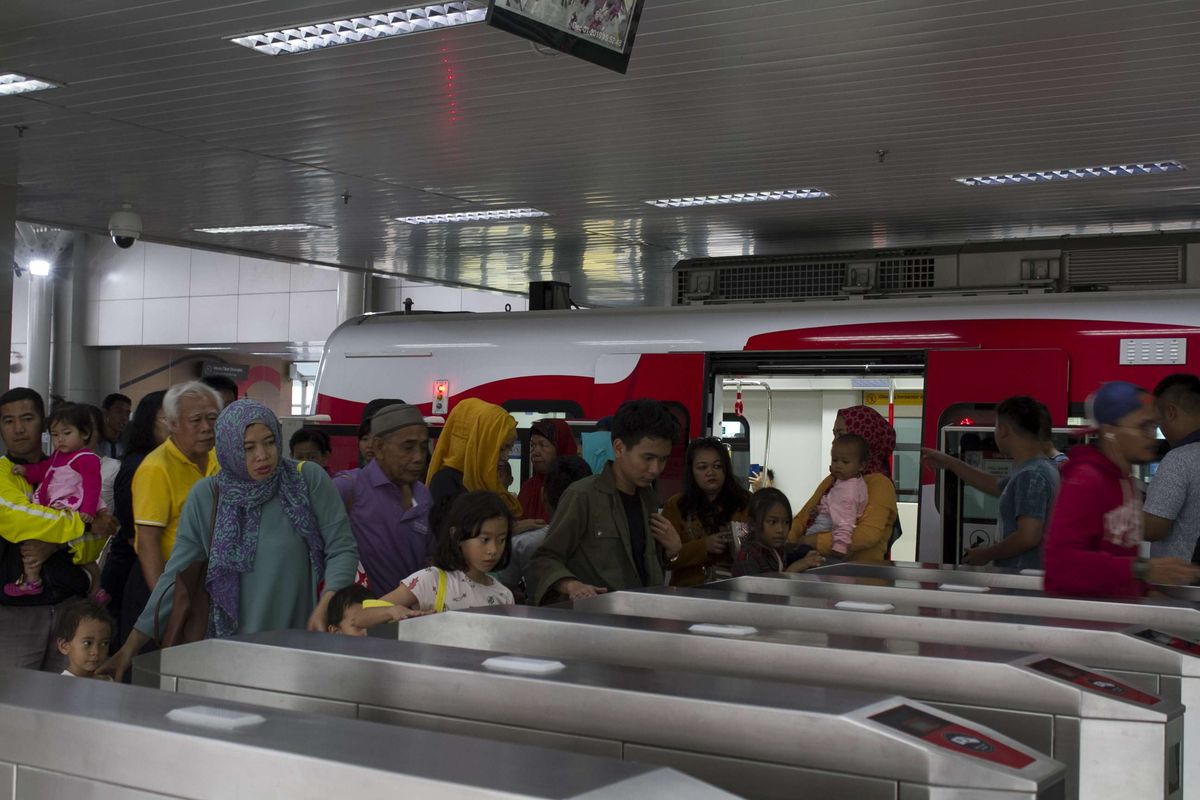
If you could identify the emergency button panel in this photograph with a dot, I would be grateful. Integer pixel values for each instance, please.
(951, 736)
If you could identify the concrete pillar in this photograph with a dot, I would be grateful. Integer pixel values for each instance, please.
(8, 230)
(75, 367)
(41, 312)
(351, 296)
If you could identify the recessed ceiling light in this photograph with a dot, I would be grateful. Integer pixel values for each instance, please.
(1074, 174)
(15, 83)
(475, 216)
(739, 197)
(369, 27)
(39, 267)
(263, 228)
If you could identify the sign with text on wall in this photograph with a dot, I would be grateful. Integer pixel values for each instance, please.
(902, 398)
(239, 372)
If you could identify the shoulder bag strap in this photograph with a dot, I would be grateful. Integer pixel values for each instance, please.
(439, 600)
(212, 524)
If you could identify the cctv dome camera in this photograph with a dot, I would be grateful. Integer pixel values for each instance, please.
(125, 226)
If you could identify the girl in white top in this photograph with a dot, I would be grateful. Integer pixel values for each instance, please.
(474, 540)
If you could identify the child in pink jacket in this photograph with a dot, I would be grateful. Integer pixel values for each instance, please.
(844, 503)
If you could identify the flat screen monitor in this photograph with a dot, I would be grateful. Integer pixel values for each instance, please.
(600, 31)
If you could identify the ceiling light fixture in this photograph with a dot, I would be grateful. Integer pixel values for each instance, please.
(369, 27)
(739, 197)
(208, 349)
(15, 83)
(39, 267)
(264, 228)
(474, 216)
(1074, 174)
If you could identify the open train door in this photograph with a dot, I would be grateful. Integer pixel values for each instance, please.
(676, 379)
(957, 384)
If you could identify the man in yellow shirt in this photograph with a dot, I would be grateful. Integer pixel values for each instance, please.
(167, 474)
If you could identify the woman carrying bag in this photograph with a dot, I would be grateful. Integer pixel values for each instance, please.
(270, 529)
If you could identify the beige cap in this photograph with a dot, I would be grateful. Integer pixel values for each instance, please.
(394, 417)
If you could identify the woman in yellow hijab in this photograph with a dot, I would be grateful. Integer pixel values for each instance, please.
(476, 437)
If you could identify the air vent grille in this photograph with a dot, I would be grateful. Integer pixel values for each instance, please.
(1125, 266)
(905, 273)
(774, 282)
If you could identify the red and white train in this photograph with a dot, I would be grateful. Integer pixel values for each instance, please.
(971, 352)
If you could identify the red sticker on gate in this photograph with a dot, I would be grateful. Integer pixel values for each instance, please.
(952, 736)
(1094, 681)
(1173, 642)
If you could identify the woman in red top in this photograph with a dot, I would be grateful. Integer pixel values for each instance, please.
(1091, 546)
(548, 439)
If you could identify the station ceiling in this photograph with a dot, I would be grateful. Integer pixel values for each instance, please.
(161, 111)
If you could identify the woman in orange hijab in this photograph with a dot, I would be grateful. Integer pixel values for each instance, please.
(475, 439)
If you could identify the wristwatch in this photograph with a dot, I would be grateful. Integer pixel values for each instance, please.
(1141, 569)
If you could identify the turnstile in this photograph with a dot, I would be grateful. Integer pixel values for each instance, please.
(1051, 705)
(781, 741)
(64, 737)
(1177, 616)
(1148, 659)
(995, 577)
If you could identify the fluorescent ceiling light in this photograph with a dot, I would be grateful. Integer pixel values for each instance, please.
(475, 216)
(263, 228)
(206, 348)
(1074, 174)
(39, 267)
(739, 197)
(15, 83)
(320, 35)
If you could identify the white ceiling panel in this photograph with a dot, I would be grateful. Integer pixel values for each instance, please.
(161, 111)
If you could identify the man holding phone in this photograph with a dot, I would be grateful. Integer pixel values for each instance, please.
(608, 531)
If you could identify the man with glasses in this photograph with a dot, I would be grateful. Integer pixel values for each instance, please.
(168, 473)
(1172, 511)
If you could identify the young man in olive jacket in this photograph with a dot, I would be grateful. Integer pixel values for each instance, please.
(607, 532)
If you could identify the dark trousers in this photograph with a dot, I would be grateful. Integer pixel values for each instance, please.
(120, 562)
(27, 637)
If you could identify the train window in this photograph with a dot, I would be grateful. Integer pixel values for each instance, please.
(527, 412)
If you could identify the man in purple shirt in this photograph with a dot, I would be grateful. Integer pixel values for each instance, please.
(387, 504)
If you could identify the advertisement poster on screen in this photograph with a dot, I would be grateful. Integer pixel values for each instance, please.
(600, 31)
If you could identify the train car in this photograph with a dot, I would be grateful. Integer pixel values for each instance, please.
(927, 363)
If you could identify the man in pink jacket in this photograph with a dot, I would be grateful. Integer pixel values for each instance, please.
(1091, 546)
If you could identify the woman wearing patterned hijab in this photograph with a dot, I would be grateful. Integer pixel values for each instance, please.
(874, 529)
(272, 530)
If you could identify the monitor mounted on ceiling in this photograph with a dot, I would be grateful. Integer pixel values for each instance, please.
(600, 31)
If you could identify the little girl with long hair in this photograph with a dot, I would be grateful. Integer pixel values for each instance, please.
(475, 539)
(767, 550)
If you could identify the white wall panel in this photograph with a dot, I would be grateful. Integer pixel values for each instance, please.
(92, 334)
(212, 319)
(429, 298)
(307, 278)
(122, 273)
(312, 316)
(482, 302)
(165, 320)
(263, 318)
(168, 271)
(213, 273)
(120, 322)
(261, 276)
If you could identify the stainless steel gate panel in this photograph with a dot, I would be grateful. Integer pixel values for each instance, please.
(1150, 660)
(69, 732)
(1029, 580)
(1176, 616)
(1040, 688)
(851, 737)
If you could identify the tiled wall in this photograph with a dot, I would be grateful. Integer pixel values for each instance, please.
(153, 294)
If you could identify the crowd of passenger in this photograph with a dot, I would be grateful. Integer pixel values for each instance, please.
(207, 529)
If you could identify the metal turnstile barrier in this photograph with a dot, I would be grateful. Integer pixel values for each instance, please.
(1176, 616)
(766, 740)
(994, 577)
(1048, 704)
(1148, 659)
(64, 737)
